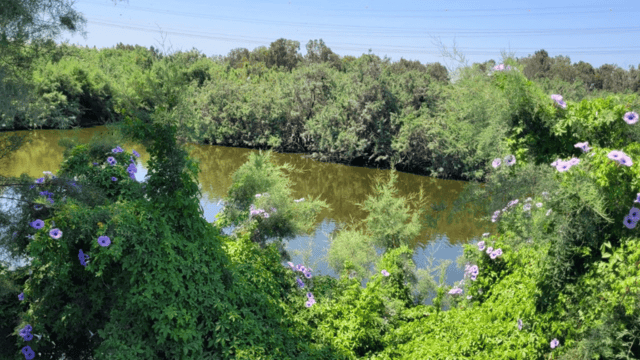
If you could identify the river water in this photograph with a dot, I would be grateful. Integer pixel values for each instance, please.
(340, 186)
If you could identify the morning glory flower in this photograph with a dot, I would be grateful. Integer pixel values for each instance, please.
(497, 252)
(473, 277)
(631, 118)
(37, 207)
(385, 272)
(519, 324)
(21, 296)
(83, 258)
(104, 240)
(291, 265)
(309, 295)
(634, 213)
(556, 97)
(583, 145)
(489, 250)
(510, 160)
(615, 155)
(526, 207)
(474, 270)
(55, 233)
(300, 283)
(496, 162)
(28, 352)
(113, 178)
(307, 274)
(135, 153)
(574, 161)
(37, 224)
(625, 160)
(111, 160)
(539, 205)
(563, 166)
(481, 245)
(629, 222)
(265, 215)
(554, 343)
(455, 291)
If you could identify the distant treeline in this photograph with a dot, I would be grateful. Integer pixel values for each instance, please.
(361, 111)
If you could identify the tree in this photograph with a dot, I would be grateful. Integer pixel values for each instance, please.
(284, 53)
(318, 52)
(34, 23)
(538, 65)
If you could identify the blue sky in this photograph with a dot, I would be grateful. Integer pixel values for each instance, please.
(598, 32)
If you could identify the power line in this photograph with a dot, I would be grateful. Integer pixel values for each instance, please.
(368, 29)
(350, 47)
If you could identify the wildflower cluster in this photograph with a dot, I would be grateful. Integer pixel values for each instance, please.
(632, 218)
(620, 157)
(307, 273)
(509, 161)
(56, 233)
(490, 251)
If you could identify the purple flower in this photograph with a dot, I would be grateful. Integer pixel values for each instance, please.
(95, 164)
(455, 291)
(385, 272)
(473, 277)
(481, 245)
(300, 283)
(496, 253)
(474, 270)
(83, 258)
(21, 296)
(631, 118)
(111, 160)
(37, 224)
(40, 180)
(555, 163)
(499, 67)
(634, 213)
(37, 207)
(135, 153)
(519, 324)
(629, 222)
(563, 166)
(291, 265)
(273, 209)
(637, 198)
(28, 352)
(526, 207)
(539, 205)
(625, 160)
(265, 215)
(574, 161)
(556, 97)
(489, 250)
(55, 233)
(615, 155)
(113, 178)
(309, 303)
(307, 274)
(117, 150)
(510, 160)
(493, 255)
(132, 168)
(104, 240)
(309, 295)
(583, 145)
(496, 162)
(554, 343)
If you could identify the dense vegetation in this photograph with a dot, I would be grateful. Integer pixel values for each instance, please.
(361, 111)
(558, 280)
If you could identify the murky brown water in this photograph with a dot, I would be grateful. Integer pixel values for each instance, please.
(341, 186)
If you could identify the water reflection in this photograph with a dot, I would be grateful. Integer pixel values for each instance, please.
(339, 185)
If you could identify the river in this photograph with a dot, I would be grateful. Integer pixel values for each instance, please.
(340, 186)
